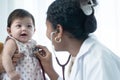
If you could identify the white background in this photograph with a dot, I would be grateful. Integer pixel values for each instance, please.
(107, 14)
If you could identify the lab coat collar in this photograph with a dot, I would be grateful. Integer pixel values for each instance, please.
(86, 46)
(83, 51)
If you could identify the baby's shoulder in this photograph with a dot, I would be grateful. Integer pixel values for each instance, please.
(10, 41)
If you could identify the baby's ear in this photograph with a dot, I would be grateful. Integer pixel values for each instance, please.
(8, 30)
(34, 29)
(1, 47)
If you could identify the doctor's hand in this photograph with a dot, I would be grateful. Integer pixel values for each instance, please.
(45, 57)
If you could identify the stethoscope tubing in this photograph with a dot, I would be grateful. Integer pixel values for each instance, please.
(61, 65)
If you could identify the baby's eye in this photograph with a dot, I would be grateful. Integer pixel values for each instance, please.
(18, 26)
(29, 26)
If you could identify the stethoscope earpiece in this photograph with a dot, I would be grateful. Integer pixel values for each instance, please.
(53, 33)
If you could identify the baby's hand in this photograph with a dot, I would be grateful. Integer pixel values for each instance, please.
(14, 75)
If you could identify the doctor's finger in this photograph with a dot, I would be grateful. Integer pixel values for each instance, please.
(43, 57)
(43, 48)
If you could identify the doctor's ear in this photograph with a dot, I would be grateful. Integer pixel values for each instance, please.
(59, 30)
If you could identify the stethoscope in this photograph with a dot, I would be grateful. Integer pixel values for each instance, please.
(61, 65)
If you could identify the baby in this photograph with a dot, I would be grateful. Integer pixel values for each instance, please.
(21, 27)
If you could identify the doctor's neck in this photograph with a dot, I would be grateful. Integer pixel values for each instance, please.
(74, 46)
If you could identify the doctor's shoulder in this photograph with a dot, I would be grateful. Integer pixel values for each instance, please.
(102, 63)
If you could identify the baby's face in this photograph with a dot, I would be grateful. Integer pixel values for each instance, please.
(22, 29)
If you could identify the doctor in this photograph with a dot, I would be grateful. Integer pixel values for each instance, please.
(69, 24)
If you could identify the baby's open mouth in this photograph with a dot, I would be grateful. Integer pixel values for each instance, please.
(23, 34)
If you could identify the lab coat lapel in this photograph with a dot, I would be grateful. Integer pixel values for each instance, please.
(77, 69)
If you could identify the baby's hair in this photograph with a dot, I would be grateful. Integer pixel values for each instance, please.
(19, 13)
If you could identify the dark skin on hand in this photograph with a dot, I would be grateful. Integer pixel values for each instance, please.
(45, 58)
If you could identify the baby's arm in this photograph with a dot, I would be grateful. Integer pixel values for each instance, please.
(8, 51)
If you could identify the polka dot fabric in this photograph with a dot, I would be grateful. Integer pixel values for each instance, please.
(28, 67)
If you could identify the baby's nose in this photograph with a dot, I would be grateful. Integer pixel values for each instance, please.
(24, 28)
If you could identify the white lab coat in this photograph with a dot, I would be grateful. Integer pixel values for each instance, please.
(95, 62)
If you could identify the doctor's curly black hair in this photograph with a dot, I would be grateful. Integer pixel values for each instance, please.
(70, 16)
